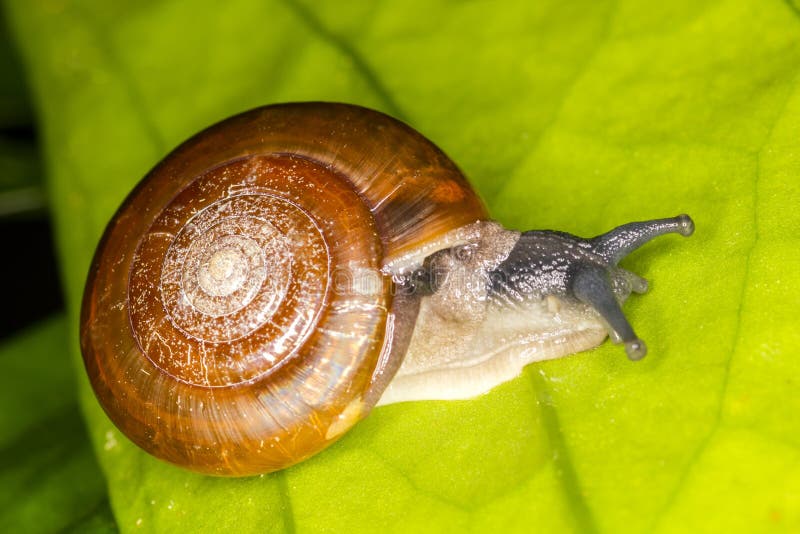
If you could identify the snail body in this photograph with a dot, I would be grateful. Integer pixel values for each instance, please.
(284, 271)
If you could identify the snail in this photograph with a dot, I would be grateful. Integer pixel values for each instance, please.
(286, 270)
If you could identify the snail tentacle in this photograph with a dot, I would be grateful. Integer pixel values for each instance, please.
(622, 240)
(591, 286)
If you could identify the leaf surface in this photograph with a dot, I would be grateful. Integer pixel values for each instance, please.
(570, 115)
(49, 477)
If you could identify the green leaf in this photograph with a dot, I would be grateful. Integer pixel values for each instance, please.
(49, 477)
(570, 115)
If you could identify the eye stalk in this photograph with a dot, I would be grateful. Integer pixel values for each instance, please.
(546, 264)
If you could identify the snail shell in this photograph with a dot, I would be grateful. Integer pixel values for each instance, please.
(257, 292)
(212, 332)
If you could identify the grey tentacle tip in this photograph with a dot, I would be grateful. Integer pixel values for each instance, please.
(590, 283)
(545, 263)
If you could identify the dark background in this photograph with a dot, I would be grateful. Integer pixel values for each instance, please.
(29, 275)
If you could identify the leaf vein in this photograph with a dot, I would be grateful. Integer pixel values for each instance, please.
(568, 89)
(792, 7)
(287, 512)
(349, 51)
(128, 80)
(562, 459)
(410, 481)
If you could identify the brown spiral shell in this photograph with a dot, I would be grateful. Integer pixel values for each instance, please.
(213, 328)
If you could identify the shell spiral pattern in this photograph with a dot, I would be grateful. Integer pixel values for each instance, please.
(214, 328)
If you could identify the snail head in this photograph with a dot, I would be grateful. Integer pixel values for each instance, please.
(556, 268)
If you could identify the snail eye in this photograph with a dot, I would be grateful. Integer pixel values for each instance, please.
(464, 253)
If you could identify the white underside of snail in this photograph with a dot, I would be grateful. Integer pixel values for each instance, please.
(466, 362)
